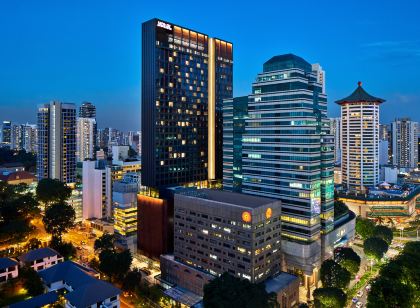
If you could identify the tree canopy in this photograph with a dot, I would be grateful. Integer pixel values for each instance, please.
(28, 160)
(31, 281)
(329, 298)
(333, 274)
(364, 227)
(375, 248)
(105, 242)
(340, 209)
(384, 233)
(348, 258)
(132, 280)
(58, 218)
(115, 264)
(52, 191)
(230, 291)
(398, 282)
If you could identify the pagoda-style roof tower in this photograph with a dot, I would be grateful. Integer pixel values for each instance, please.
(360, 95)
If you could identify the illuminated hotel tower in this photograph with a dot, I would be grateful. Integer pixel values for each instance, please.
(360, 139)
(185, 77)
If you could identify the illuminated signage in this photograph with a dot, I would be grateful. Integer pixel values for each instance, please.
(164, 25)
(246, 216)
(268, 213)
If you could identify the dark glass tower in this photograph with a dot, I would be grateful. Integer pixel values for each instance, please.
(87, 110)
(7, 133)
(185, 77)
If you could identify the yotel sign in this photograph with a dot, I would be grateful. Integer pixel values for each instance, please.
(164, 25)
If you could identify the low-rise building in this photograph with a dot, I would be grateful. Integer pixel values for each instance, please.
(17, 177)
(8, 269)
(41, 258)
(286, 286)
(82, 288)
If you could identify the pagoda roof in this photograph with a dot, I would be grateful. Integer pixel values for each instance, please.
(360, 95)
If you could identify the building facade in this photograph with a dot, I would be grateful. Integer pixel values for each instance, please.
(283, 151)
(360, 139)
(86, 138)
(94, 190)
(335, 130)
(405, 143)
(6, 133)
(219, 231)
(56, 157)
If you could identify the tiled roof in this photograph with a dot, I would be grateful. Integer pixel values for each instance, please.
(360, 95)
(37, 254)
(7, 262)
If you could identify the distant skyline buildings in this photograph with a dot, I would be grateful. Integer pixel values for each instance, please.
(404, 134)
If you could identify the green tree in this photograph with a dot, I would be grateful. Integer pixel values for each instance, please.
(384, 233)
(66, 249)
(340, 209)
(329, 298)
(115, 264)
(105, 242)
(58, 218)
(51, 191)
(364, 227)
(31, 281)
(229, 291)
(387, 292)
(375, 248)
(333, 274)
(33, 243)
(132, 280)
(348, 259)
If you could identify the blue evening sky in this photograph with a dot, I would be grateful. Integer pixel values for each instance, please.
(90, 50)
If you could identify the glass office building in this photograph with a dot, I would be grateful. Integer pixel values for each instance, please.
(281, 149)
(56, 157)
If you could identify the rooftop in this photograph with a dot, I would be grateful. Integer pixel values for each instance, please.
(92, 293)
(37, 254)
(279, 282)
(360, 95)
(37, 301)
(286, 61)
(228, 197)
(18, 175)
(7, 262)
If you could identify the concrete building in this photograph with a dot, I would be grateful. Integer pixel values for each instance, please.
(8, 269)
(56, 157)
(94, 190)
(360, 139)
(219, 231)
(16, 137)
(405, 143)
(383, 152)
(40, 259)
(86, 138)
(30, 138)
(335, 130)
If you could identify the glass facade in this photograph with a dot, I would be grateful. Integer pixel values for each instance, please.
(278, 146)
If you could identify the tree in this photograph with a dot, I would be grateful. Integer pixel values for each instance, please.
(387, 292)
(329, 298)
(115, 264)
(33, 243)
(230, 291)
(58, 218)
(375, 248)
(31, 281)
(333, 274)
(384, 233)
(66, 249)
(105, 242)
(348, 259)
(364, 227)
(52, 191)
(132, 280)
(340, 209)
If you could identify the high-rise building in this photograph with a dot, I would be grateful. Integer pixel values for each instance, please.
(87, 110)
(185, 77)
(6, 133)
(384, 132)
(16, 137)
(360, 139)
(277, 145)
(86, 138)
(56, 157)
(30, 138)
(335, 130)
(94, 190)
(404, 143)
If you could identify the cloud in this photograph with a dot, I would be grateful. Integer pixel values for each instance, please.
(395, 52)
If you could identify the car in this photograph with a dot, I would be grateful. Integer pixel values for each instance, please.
(360, 293)
(368, 287)
(355, 300)
(359, 305)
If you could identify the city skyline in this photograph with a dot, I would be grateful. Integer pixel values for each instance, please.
(96, 57)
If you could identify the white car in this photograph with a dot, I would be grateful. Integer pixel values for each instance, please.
(359, 294)
(359, 305)
(368, 287)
